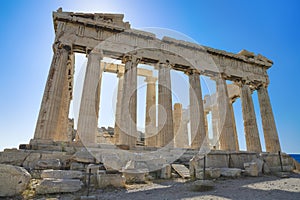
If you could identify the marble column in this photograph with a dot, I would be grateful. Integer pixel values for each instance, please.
(89, 106)
(48, 119)
(237, 148)
(215, 127)
(118, 107)
(128, 135)
(150, 118)
(268, 121)
(206, 123)
(184, 133)
(250, 125)
(165, 113)
(197, 121)
(177, 120)
(225, 124)
(62, 132)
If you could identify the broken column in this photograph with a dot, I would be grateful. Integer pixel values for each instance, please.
(90, 100)
(165, 116)
(268, 121)
(150, 118)
(128, 133)
(225, 124)
(250, 125)
(197, 121)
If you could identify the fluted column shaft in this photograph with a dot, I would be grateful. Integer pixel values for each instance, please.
(128, 134)
(225, 125)
(62, 133)
(197, 120)
(234, 127)
(206, 123)
(165, 112)
(118, 108)
(177, 120)
(215, 127)
(268, 121)
(250, 125)
(150, 118)
(48, 119)
(89, 106)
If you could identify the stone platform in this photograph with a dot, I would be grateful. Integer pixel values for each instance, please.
(59, 165)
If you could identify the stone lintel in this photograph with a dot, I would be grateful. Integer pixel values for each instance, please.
(120, 68)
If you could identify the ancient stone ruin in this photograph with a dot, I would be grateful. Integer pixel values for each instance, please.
(61, 158)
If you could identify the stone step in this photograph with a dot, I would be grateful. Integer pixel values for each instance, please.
(51, 186)
(182, 170)
(61, 174)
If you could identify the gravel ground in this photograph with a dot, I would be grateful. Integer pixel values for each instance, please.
(264, 187)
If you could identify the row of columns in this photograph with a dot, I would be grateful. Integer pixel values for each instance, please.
(55, 103)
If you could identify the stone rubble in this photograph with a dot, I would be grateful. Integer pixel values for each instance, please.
(13, 180)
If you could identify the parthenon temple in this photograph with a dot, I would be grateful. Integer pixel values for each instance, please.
(173, 116)
(100, 36)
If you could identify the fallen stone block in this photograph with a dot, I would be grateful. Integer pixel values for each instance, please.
(266, 169)
(13, 157)
(231, 172)
(154, 163)
(115, 180)
(83, 157)
(135, 175)
(251, 169)
(61, 174)
(260, 164)
(13, 180)
(135, 172)
(210, 173)
(182, 170)
(213, 173)
(31, 160)
(51, 186)
(62, 156)
(112, 162)
(77, 166)
(166, 171)
(48, 164)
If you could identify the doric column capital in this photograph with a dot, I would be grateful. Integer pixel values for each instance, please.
(58, 45)
(192, 71)
(256, 85)
(95, 52)
(120, 74)
(219, 76)
(162, 65)
(150, 79)
(130, 58)
(240, 82)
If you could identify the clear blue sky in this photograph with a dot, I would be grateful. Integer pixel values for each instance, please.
(271, 28)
